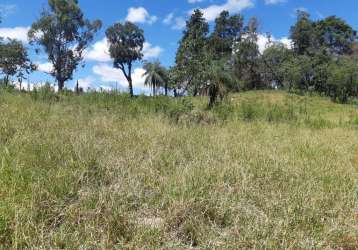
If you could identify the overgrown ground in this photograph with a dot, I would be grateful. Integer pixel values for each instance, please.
(267, 171)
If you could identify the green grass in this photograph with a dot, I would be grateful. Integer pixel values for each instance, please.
(264, 170)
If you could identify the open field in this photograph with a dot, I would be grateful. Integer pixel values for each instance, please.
(268, 170)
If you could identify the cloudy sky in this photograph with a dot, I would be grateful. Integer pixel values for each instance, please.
(162, 22)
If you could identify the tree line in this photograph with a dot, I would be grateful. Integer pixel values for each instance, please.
(323, 56)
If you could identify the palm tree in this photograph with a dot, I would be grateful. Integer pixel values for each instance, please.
(155, 76)
(220, 80)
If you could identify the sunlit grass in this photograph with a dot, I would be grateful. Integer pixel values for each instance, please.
(266, 170)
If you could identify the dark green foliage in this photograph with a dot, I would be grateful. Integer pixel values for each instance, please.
(14, 60)
(192, 57)
(220, 80)
(343, 80)
(247, 59)
(273, 59)
(303, 34)
(227, 32)
(126, 45)
(336, 35)
(64, 34)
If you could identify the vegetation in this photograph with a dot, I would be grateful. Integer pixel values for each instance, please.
(64, 34)
(14, 60)
(156, 76)
(269, 170)
(247, 149)
(126, 45)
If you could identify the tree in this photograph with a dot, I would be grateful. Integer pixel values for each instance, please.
(303, 34)
(126, 45)
(343, 80)
(220, 80)
(14, 60)
(64, 34)
(155, 76)
(335, 35)
(273, 59)
(247, 58)
(227, 32)
(192, 58)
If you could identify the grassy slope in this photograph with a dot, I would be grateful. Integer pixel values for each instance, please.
(280, 173)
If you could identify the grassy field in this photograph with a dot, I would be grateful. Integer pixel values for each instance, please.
(265, 170)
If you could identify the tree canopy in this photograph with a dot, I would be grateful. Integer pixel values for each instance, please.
(14, 60)
(126, 44)
(64, 33)
(191, 58)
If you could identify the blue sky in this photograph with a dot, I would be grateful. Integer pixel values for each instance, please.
(162, 22)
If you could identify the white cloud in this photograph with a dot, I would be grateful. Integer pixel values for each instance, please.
(179, 23)
(98, 52)
(195, 1)
(111, 75)
(44, 67)
(86, 82)
(262, 42)
(169, 18)
(151, 52)
(140, 15)
(233, 6)
(273, 2)
(19, 33)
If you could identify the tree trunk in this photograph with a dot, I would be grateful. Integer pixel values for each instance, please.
(6, 80)
(166, 89)
(130, 83)
(61, 85)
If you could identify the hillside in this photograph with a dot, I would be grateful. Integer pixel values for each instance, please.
(263, 170)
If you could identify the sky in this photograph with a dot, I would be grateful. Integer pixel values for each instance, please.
(163, 22)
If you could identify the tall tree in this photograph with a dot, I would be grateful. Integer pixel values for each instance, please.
(335, 35)
(155, 76)
(227, 32)
(247, 58)
(126, 45)
(273, 59)
(14, 60)
(64, 34)
(303, 34)
(192, 57)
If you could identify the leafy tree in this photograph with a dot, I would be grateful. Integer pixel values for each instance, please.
(64, 34)
(173, 82)
(227, 32)
(305, 72)
(155, 76)
(303, 34)
(247, 58)
(336, 35)
(126, 45)
(14, 60)
(343, 80)
(273, 59)
(191, 58)
(220, 80)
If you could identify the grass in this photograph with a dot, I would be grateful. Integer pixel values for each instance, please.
(266, 170)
